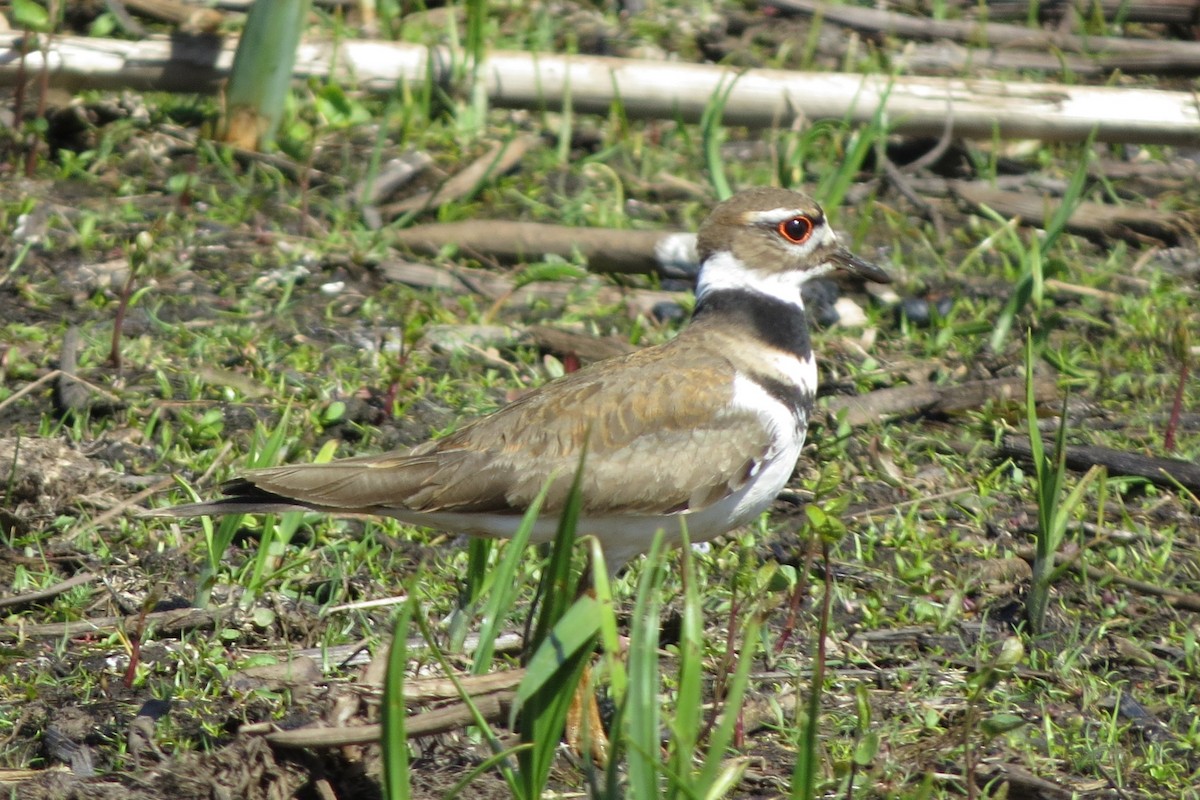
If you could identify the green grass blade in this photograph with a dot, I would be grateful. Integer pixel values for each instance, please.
(494, 760)
(394, 741)
(266, 452)
(511, 776)
(710, 129)
(1022, 293)
(543, 711)
(503, 589)
(261, 76)
(576, 630)
(609, 630)
(475, 584)
(735, 694)
(1072, 196)
(1035, 603)
(834, 186)
(686, 722)
(557, 590)
(641, 722)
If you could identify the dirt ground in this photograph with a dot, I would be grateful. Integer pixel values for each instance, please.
(118, 687)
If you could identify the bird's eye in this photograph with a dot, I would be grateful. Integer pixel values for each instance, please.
(797, 229)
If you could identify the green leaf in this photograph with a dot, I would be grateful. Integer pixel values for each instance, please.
(866, 749)
(576, 630)
(333, 412)
(549, 271)
(1001, 723)
(30, 15)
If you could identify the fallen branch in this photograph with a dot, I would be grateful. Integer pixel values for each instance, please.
(1177, 12)
(190, 18)
(500, 288)
(1095, 220)
(164, 621)
(1169, 472)
(586, 347)
(990, 34)
(655, 89)
(928, 398)
(947, 56)
(606, 250)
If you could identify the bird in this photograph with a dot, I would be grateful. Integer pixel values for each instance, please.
(697, 434)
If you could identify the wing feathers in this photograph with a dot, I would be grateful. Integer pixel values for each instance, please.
(658, 441)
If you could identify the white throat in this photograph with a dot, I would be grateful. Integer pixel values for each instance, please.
(723, 271)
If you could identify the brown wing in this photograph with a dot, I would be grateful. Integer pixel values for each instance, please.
(654, 446)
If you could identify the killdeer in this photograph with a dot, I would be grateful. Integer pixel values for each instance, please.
(702, 431)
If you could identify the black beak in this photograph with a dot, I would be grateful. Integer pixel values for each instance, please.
(856, 266)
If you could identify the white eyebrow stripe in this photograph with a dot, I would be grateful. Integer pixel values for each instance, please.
(776, 215)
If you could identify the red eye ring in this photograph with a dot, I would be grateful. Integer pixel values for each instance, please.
(796, 229)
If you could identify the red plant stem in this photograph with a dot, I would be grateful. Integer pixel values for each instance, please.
(797, 599)
(1176, 407)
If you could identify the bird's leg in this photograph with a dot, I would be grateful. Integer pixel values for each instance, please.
(584, 729)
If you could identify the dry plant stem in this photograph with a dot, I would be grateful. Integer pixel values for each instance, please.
(927, 209)
(51, 591)
(726, 666)
(939, 148)
(796, 600)
(426, 689)
(1062, 287)
(493, 707)
(891, 508)
(32, 387)
(70, 395)
(148, 492)
(498, 160)
(54, 375)
(43, 90)
(19, 84)
(1188, 602)
(114, 353)
(135, 646)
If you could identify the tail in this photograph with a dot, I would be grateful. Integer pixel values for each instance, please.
(243, 497)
